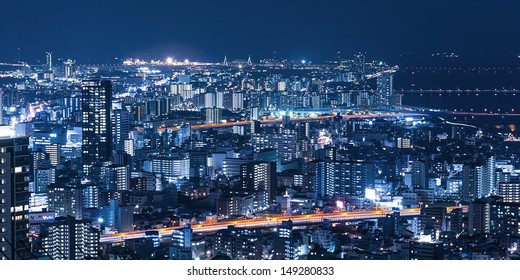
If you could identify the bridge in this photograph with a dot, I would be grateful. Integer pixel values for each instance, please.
(269, 222)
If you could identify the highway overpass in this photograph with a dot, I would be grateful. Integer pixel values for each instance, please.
(270, 222)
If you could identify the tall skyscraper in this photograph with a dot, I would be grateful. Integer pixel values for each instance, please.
(121, 127)
(384, 89)
(49, 61)
(69, 68)
(479, 179)
(97, 130)
(15, 174)
(260, 177)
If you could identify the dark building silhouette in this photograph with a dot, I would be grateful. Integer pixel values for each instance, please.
(96, 98)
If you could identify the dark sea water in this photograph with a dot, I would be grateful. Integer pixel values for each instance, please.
(473, 101)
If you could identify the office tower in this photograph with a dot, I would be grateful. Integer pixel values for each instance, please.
(121, 127)
(96, 101)
(15, 173)
(67, 239)
(213, 115)
(260, 177)
(384, 89)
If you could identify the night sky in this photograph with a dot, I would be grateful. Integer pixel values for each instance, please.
(298, 29)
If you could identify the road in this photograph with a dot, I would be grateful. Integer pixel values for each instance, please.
(269, 222)
(316, 118)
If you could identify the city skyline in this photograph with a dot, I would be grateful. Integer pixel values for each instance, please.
(238, 130)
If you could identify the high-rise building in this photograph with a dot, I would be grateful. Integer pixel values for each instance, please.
(96, 100)
(285, 144)
(43, 178)
(49, 61)
(419, 174)
(260, 177)
(15, 174)
(384, 89)
(54, 153)
(117, 177)
(69, 69)
(479, 180)
(66, 199)
(345, 178)
(121, 127)
(254, 113)
(67, 239)
(493, 216)
(238, 101)
(213, 115)
(238, 243)
(510, 192)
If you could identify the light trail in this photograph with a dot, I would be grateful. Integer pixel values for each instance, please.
(269, 222)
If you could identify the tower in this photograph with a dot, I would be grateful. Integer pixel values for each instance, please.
(384, 89)
(97, 130)
(225, 63)
(49, 61)
(121, 127)
(16, 166)
(259, 176)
